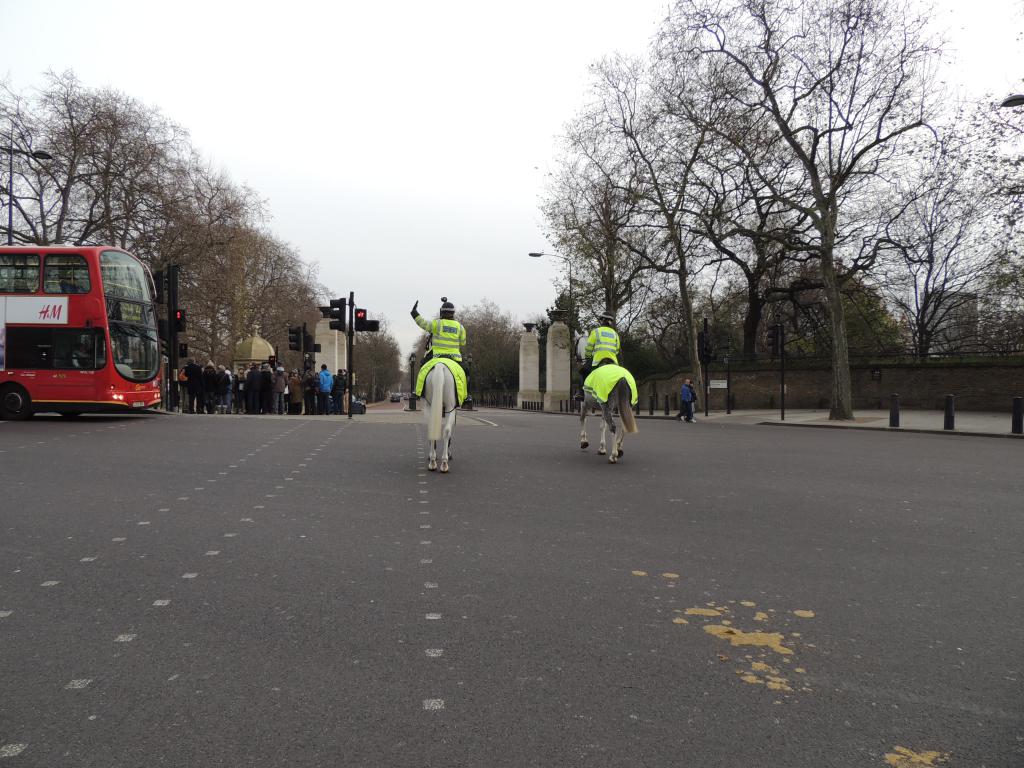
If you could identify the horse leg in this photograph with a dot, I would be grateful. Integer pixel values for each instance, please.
(601, 449)
(446, 439)
(613, 455)
(432, 462)
(584, 444)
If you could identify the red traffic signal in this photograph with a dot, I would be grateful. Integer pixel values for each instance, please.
(179, 321)
(363, 324)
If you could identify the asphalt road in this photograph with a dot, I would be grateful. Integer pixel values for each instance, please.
(261, 591)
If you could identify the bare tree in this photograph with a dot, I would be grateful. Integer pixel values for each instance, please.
(842, 81)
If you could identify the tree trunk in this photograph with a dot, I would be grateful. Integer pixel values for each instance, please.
(842, 389)
(752, 321)
(684, 297)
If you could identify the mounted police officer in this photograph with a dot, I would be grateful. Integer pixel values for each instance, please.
(447, 335)
(603, 346)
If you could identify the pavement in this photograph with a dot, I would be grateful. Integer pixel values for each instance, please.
(966, 422)
(253, 591)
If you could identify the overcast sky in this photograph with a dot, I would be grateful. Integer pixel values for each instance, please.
(400, 145)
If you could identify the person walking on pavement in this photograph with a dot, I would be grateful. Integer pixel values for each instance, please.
(210, 387)
(338, 388)
(294, 394)
(323, 393)
(252, 389)
(194, 383)
(687, 401)
(280, 389)
(266, 389)
(603, 345)
(223, 390)
(310, 382)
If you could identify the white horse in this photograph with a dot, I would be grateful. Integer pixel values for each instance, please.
(621, 398)
(439, 392)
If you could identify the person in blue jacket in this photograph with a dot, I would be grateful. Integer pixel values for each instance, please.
(687, 401)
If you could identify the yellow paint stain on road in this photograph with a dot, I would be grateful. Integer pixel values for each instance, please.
(748, 603)
(800, 670)
(760, 616)
(639, 573)
(804, 614)
(908, 758)
(679, 620)
(702, 612)
(670, 575)
(737, 637)
(760, 666)
(778, 684)
(752, 679)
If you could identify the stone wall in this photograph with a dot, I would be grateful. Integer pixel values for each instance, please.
(979, 385)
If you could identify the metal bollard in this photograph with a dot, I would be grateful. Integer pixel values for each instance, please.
(1017, 420)
(636, 408)
(650, 407)
(950, 417)
(894, 410)
(666, 405)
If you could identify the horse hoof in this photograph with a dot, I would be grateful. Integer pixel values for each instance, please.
(444, 466)
(601, 452)
(613, 459)
(432, 466)
(584, 445)
(621, 452)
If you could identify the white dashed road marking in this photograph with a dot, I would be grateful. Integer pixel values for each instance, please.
(12, 750)
(433, 704)
(76, 685)
(434, 653)
(161, 603)
(49, 584)
(433, 617)
(189, 575)
(124, 638)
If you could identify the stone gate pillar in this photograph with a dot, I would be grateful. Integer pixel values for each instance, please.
(558, 362)
(529, 366)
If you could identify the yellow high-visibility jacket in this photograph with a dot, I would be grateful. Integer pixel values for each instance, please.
(603, 344)
(447, 336)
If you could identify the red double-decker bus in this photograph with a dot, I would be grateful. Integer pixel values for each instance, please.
(78, 332)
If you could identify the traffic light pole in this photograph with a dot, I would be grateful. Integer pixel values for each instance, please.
(173, 390)
(707, 364)
(348, 357)
(782, 368)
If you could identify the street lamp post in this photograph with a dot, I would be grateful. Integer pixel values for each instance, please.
(572, 329)
(11, 152)
(412, 381)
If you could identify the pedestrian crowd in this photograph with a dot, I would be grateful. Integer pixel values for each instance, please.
(261, 389)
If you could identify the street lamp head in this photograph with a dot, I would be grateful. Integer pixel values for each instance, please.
(535, 255)
(1014, 100)
(41, 155)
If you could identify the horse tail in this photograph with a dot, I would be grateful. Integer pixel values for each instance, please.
(624, 397)
(435, 384)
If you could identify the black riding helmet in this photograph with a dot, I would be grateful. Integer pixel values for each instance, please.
(447, 309)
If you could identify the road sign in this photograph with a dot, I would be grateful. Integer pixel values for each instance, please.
(718, 384)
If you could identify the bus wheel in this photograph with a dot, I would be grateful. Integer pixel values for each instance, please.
(15, 403)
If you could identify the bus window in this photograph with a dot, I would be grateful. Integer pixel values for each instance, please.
(19, 272)
(65, 273)
(59, 349)
(123, 277)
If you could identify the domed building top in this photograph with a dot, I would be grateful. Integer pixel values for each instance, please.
(254, 349)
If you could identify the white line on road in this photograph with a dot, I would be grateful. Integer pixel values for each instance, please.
(12, 750)
(86, 559)
(124, 638)
(161, 603)
(189, 575)
(49, 584)
(434, 653)
(77, 685)
(433, 617)
(433, 704)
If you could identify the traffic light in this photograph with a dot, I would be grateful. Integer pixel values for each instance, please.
(295, 338)
(362, 323)
(158, 285)
(308, 342)
(337, 314)
(704, 351)
(183, 351)
(179, 321)
(775, 340)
